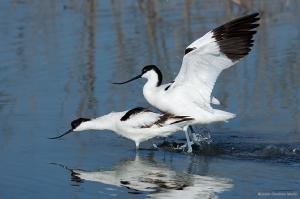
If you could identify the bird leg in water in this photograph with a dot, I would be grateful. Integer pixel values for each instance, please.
(195, 139)
(190, 150)
(154, 145)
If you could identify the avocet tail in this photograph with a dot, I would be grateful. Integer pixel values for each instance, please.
(223, 115)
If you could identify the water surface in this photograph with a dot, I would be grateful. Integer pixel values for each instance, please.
(57, 62)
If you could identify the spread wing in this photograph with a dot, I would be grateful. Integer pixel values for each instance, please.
(205, 58)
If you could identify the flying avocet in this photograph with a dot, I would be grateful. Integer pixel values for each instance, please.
(204, 59)
(138, 124)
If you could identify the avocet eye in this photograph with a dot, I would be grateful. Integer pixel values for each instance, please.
(144, 70)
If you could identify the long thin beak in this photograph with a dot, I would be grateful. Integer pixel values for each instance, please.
(69, 131)
(137, 77)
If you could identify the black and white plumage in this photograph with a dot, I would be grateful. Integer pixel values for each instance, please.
(138, 124)
(204, 60)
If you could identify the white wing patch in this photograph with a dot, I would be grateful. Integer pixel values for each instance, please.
(214, 101)
(202, 67)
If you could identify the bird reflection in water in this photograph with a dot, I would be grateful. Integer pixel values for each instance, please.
(144, 174)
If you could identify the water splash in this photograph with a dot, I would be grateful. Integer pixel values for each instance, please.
(280, 153)
(271, 151)
(201, 136)
(275, 151)
(296, 151)
(202, 143)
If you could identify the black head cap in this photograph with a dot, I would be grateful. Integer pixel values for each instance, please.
(77, 122)
(74, 125)
(153, 67)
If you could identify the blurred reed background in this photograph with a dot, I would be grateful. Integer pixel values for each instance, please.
(57, 60)
(82, 45)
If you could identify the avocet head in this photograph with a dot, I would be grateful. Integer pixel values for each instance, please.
(77, 125)
(148, 72)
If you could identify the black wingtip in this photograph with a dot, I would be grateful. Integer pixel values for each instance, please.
(235, 37)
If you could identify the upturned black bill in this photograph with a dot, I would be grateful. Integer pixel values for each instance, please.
(137, 77)
(69, 131)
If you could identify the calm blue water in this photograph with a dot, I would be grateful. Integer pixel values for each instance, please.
(58, 59)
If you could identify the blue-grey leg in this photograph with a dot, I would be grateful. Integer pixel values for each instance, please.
(195, 139)
(154, 145)
(190, 150)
